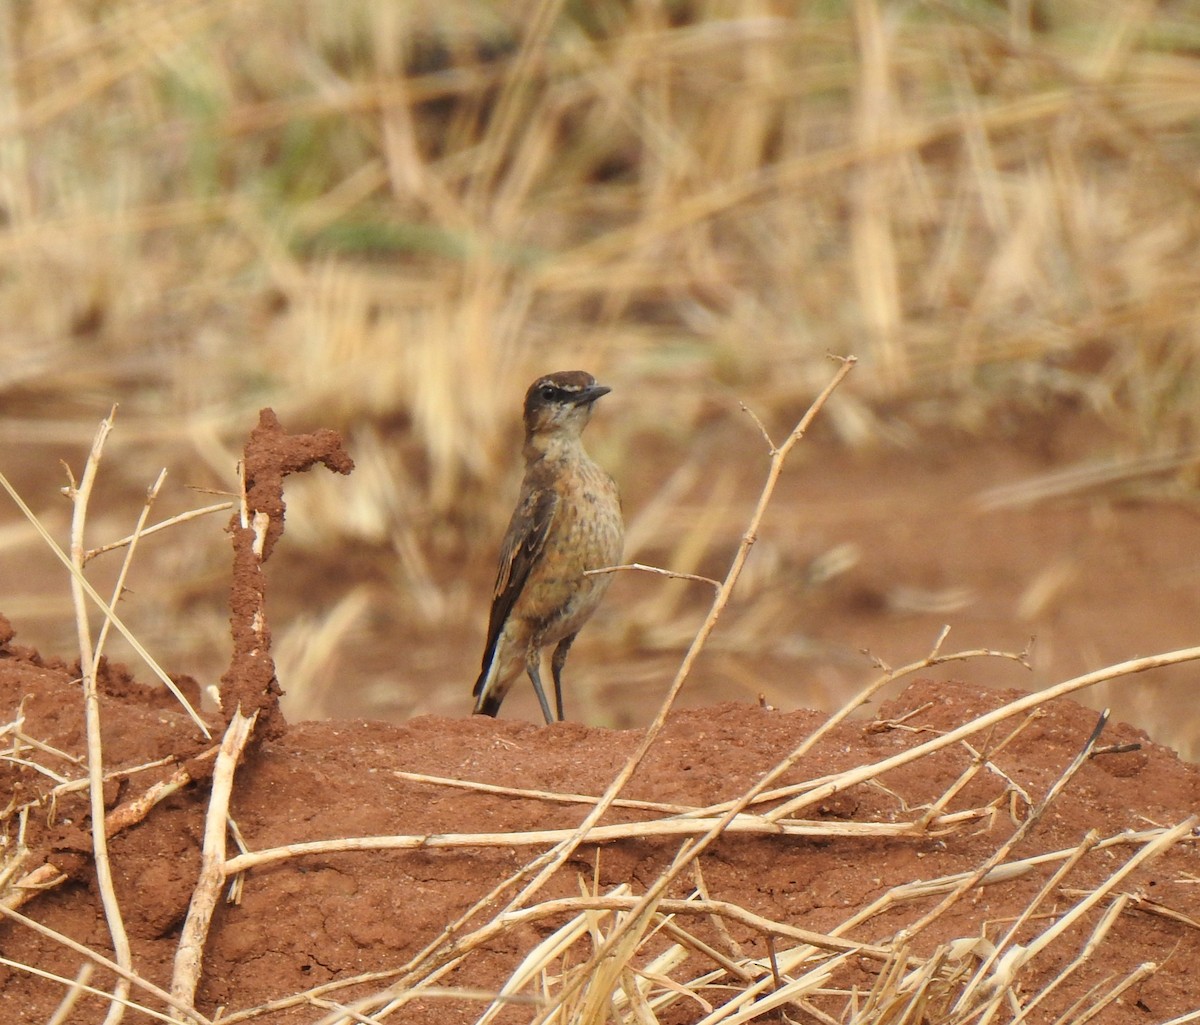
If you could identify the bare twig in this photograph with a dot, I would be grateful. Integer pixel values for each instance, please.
(183, 517)
(655, 569)
(91, 703)
(690, 826)
(213, 871)
(137, 808)
(119, 586)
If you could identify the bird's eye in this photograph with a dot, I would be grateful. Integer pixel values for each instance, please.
(549, 392)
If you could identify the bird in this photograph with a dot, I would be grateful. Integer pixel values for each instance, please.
(567, 521)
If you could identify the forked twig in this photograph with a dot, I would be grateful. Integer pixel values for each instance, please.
(91, 703)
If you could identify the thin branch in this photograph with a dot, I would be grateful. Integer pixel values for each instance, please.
(119, 586)
(182, 517)
(762, 428)
(655, 569)
(189, 956)
(91, 704)
(745, 824)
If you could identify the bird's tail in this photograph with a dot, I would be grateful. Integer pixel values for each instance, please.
(487, 701)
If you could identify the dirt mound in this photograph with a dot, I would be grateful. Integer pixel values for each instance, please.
(330, 918)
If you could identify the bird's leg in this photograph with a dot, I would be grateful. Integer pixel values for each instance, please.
(535, 676)
(556, 666)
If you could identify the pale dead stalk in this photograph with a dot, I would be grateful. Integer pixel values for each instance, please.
(657, 570)
(752, 825)
(91, 703)
(183, 517)
(119, 586)
(549, 796)
(189, 956)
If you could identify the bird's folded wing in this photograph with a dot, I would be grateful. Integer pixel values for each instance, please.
(520, 552)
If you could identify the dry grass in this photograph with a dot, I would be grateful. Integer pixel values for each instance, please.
(632, 957)
(402, 212)
(388, 219)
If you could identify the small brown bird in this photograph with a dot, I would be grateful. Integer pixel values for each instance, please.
(567, 521)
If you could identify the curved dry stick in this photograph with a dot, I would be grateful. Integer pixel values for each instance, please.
(91, 705)
(171, 521)
(715, 584)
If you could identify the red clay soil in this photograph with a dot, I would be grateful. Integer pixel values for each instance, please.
(313, 920)
(320, 919)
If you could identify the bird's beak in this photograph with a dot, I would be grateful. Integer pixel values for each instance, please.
(590, 395)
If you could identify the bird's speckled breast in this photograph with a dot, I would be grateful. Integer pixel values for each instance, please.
(588, 534)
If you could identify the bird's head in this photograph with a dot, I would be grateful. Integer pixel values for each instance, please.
(558, 406)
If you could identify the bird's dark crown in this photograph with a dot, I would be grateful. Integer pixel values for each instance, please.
(564, 389)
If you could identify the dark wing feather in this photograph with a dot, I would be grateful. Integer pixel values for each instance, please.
(519, 553)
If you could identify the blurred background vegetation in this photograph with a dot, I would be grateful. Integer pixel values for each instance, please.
(388, 217)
